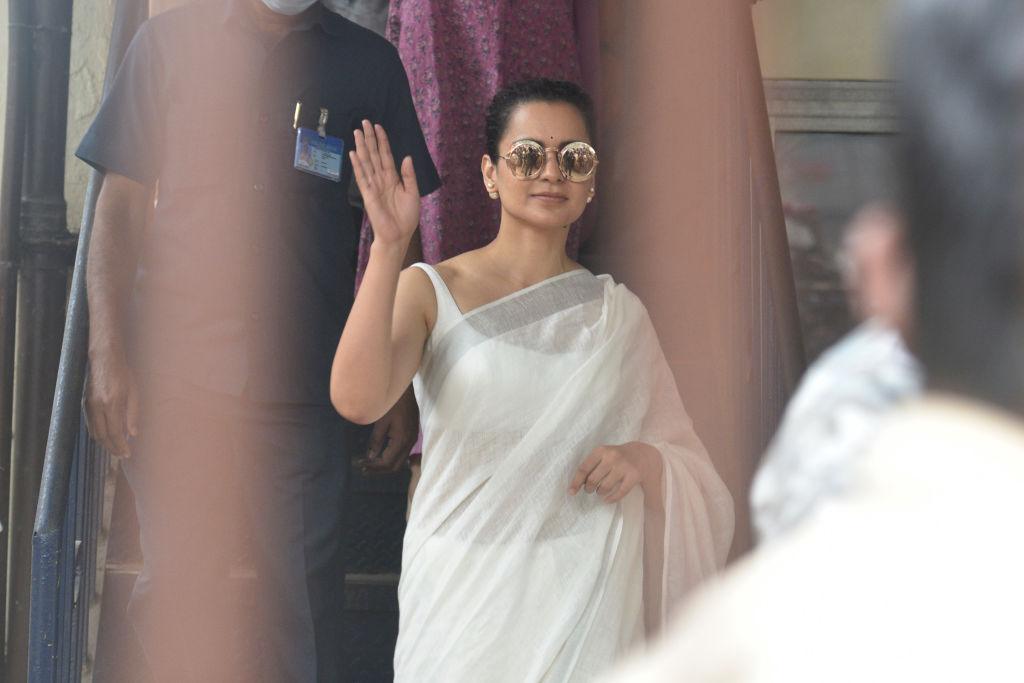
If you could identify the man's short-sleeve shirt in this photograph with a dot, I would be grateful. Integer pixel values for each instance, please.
(247, 266)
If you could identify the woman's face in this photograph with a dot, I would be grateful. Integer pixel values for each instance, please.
(549, 200)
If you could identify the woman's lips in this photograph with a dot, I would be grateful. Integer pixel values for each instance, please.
(550, 197)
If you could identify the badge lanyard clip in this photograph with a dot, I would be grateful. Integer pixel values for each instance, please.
(321, 125)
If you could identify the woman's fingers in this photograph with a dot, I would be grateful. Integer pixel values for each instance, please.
(392, 202)
(593, 470)
(387, 160)
(607, 472)
(625, 486)
(361, 179)
(409, 177)
(610, 482)
(599, 474)
(583, 471)
(363, 158)
(373, 150)
(376, 163)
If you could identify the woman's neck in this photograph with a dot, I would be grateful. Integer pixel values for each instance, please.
(525, 254)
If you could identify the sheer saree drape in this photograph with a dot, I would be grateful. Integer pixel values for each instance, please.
(506, 576)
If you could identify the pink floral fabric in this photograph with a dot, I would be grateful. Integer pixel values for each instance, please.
(458, 54)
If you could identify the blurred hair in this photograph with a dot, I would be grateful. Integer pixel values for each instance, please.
(508, 98)
(960, 65)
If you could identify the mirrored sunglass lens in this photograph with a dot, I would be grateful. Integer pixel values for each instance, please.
(577, 162)
(525, 160)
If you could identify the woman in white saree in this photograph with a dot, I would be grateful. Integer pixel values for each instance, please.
(565, 502)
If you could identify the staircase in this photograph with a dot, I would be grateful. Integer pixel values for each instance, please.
(375, 524)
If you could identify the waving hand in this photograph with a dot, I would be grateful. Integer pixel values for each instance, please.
(392, 200)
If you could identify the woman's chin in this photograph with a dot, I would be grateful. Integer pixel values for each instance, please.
(549, 220)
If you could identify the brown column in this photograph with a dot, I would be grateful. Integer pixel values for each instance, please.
(685, 223)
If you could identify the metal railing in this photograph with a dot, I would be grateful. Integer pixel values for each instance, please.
(67, 526)
(67, 555)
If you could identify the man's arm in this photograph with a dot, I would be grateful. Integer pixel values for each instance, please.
(111, 395)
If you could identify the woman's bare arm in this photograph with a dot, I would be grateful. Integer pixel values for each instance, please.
(382, 344)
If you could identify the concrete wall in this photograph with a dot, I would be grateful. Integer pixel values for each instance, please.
(89, 42)
(90, 36)
(826, 39)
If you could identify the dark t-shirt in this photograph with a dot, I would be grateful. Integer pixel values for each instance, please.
(247, 267)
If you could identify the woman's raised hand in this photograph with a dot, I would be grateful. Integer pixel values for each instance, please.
(392, 200)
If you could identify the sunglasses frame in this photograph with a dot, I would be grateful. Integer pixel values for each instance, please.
(560, 154)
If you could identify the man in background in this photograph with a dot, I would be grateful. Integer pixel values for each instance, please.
(214, 314)
(843, 398)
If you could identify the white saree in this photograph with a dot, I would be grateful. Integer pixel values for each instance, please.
(505, 576)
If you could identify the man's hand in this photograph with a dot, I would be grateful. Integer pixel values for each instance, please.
(393, 437)
(112, 403)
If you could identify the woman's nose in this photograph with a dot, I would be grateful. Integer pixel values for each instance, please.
(550, 171)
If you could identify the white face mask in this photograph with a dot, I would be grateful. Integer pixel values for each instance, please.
(289, 7)
(338, 6)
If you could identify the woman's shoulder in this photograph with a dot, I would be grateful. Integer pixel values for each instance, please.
(417, 292)
(458, 267)
(416, 276)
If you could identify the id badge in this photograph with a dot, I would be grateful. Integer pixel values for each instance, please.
(318, 155)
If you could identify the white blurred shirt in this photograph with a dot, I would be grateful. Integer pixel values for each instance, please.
(829, 424)
(916, 573)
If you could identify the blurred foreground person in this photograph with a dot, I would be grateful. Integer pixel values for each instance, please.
(835, 414)
(915, 573)
(214, 314)
(566, 502)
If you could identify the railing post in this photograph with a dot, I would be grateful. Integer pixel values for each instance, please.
(66, 579)
(18, 71)
(45, 245)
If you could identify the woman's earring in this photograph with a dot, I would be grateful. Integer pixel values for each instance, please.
(591, 197)
(491, 192)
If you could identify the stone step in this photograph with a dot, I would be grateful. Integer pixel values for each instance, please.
(368, 638)
(375, 524)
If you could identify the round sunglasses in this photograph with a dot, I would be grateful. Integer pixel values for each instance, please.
(577, 161)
